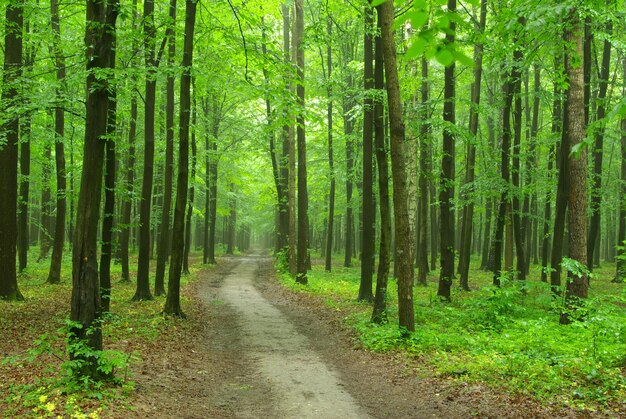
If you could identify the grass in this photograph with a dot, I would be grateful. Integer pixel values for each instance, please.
(508, 337)
(33, 348)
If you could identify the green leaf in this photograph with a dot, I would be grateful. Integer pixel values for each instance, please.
(377, 2)
(445, 57)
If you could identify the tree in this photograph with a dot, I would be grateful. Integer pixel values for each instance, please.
(164, 238)
(8, 149)
(59, 149)
(446, 192)
(379, 313)
(367, 252)
(192, 188)
(172, 303)
(127, 202)
(330, 225)
(303, 199)
(406, 314)
(143, 261)
(468, 212)
(620, 274)
(85, 314)
(577, 284)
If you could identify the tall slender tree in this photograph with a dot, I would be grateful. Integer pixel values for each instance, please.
(164, 237)
(13, 51)
(577, 282)
(404, 262)
(172, 303)
(99, 40)
(367, 241)
(446, 193)
(620, 274)
(143, 262)
(54, 275)
(330, 225)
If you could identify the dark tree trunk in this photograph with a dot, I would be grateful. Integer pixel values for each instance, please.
(596, 178)
(331, 162)
(303, 199)
(232, 222)
(406, 315)
(468, 211)
(368, 237)
(46, 202)
(172, 303)
(54, 275)
(109, 192)
(557, 116)
(127, 202)
(192, 188)
(379, 314)
(504, 171)
(163, 245)
(288, 133)
(486, 244)
(143, 262)
(446, 193)
(422, 243)
(620, 274)
(515, 172)
(577, 282)
(8, 153)
(85, 313)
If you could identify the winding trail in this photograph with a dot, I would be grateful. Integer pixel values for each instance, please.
(301, 382)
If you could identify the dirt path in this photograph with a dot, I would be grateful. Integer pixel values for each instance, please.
(252, 349)
(303, 385)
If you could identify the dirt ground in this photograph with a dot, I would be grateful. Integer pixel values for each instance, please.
(258, 350)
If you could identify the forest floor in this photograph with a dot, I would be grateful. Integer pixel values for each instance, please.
(249, 348)
(264, 351)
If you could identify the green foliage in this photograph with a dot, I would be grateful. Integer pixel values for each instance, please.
(506, 337)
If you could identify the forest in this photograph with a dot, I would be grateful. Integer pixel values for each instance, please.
(446, 178)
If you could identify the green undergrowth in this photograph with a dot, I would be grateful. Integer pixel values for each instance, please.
(508, 337)
(40, 380)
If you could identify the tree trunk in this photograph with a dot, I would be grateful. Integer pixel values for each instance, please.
(143, 262)
(163, 245)
(331, 161)
(46, 202)
(596, 178)
(8, 152)
(192, 188)
(620, 275)
(515, 172)
(379, 314)
(468, 211)
(422, 245)
(577, 282)
(172, 303)
(406, 315)
(446, 194)
(367, 195)
(85, 313)
(303, 199)
(109, 191)
(54, 275)
(232, 221)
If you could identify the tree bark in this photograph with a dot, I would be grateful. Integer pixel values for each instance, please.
(368, 237)
(620, 274)
(109, 190)
(54, 276)
(577, 282)
(303, 199)
(172, 303)
(143, 263)
(86, 311)
(597, 152)
(379, 313)
(406, 315)
(163, 245)
(331, 162)
(8, 152)
(192, 188)
(422, 246)
(468, 211)
(446, 193)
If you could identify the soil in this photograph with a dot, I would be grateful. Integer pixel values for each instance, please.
(258, 350)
